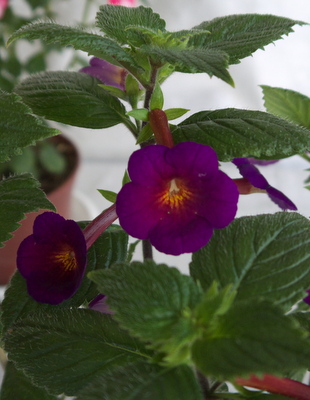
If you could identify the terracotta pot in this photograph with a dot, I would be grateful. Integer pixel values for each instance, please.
(61, 197)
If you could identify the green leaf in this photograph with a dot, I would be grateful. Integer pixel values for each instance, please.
(109, 248)
(16, 386)
(145, 134)
(242, 133)
(18, 126)
(144, 381)
(153, 302)
(108, 195)
(78, 38)
(212, 61)
(253, 337)
(173, 113)
(72, 98)
(13, 204)
(157, 98)
(241, 35)
(141, 114)
(50, 157)
(266, 256)
(114, 21)
(287, 104)
(65, 349)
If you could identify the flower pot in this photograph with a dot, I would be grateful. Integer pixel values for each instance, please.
(59, 192)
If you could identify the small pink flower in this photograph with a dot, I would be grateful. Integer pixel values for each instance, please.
(3, 7)
(125, 3)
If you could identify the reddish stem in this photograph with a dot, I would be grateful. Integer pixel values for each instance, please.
(160, 127)
(94, 229)
(273, 384)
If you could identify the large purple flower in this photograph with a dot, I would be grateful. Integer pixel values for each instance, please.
(106, 72)
(252, 174)
(53, 259)
(177, 197)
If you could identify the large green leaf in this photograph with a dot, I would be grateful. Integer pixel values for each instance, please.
(252, 337)
(151, 301)
(241, 35)
(19, 194)
(266, 256)
(92, 43)
(18, 126)
(115, 22)
(65, 349)
(72, 98)
(287, 104)
(191, 60)
(144, 381)
(242, 133)
(16, 385)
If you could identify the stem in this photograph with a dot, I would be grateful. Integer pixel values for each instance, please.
(273, 384)
(95, 228)
(147, 250)
(150, 88)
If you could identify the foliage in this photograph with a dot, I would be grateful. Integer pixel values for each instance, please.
(166, 335)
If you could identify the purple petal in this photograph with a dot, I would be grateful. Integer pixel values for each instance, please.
(107, 73)
(250, 172)
(307, 299)
(100, 304)
(255, 161)
(53, 258)
(176, 198)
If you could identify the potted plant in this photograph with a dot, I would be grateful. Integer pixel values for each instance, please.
(82, 317)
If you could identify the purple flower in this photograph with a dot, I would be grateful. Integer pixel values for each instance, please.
(252, 174)
(177, 197)
(107, 73)
(100, 304)
(307, 299)
(53, 259)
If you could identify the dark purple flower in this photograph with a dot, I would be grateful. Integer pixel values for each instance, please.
(100, 304)
(106, 72)
(252, 174)
(53, 259)
(177, 197)
(307, 299)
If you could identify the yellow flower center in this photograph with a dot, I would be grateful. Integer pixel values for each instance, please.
(176, 194)
(66, 258)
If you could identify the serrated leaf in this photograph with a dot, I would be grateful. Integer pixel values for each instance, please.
(287, 104)
(13, 204)
(149, 381)
(78, 38)
(241, 133)
(153, 302)
(253, 337)
(211, 61)
(241, 35)
(72, 98)
(265, 256)
(114, 21)
(18, 126)
(64, 349)
(16, 385)
(109, 248)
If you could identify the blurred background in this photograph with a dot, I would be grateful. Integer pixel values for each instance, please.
(104, 154)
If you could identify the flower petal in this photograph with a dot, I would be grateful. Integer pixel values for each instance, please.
(53, 258)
